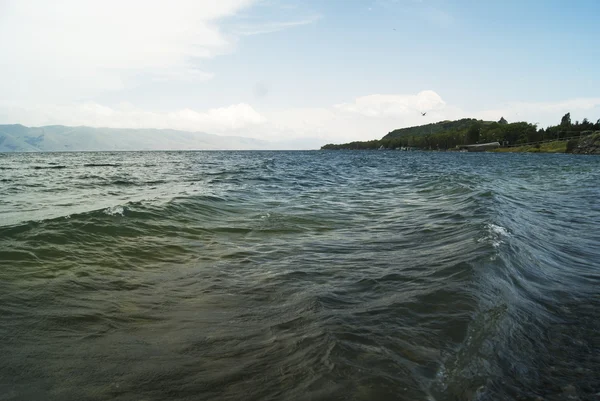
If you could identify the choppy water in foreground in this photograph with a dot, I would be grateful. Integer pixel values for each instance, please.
(299, 276)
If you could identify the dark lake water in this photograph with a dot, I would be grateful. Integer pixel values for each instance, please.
(299, 276)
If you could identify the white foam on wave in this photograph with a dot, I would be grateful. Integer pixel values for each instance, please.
(495, 234)
(114, 211)
(498, 230)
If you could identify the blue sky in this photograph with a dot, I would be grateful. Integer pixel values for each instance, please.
(325, 71)
(455, 48)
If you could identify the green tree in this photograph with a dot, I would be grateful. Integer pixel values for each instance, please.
(566, 120)
(473, 133)
(586, 125)
(502, 121)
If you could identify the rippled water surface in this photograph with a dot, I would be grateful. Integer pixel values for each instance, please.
(299, 276)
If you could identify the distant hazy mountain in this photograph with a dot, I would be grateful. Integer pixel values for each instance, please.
(54, 138)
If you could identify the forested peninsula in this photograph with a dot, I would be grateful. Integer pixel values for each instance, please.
(467, 133)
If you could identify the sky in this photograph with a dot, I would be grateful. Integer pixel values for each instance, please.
(317, 72)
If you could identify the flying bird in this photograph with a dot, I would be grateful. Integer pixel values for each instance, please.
(423, 114)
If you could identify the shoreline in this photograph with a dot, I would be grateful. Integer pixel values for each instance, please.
(589, 144)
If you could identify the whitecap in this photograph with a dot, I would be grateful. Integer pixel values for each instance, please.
(495, 235)
(498, 230)
(114, 211)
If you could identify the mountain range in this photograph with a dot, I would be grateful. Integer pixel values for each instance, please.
(57, 138)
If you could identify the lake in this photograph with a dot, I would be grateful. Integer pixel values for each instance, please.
(315, 275)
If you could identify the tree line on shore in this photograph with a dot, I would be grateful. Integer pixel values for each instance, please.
(446, 135)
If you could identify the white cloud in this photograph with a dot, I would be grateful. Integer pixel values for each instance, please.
(182, 74)
(394, 105)
(270, 27)
(364, 118)
(373, 116)
(224, 120)
(71, 48)
(545, 113)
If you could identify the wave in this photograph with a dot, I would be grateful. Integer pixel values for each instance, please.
(521, 291)
(121, 182)
(152, 209)
(101, 165)
(56, 167)
(393, 275)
